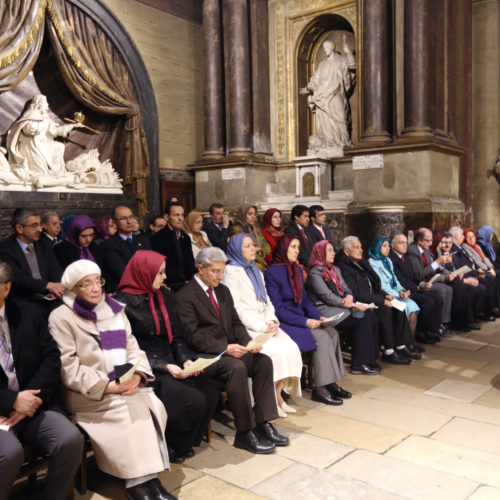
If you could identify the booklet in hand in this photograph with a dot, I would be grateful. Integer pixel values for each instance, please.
(398, 304)
(259, 340)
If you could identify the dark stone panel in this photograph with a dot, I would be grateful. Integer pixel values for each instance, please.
(92, 204)
(186, 9)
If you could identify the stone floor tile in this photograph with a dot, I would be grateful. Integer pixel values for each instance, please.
(344, 430)
(242, 468)
(406, 419)
(303, 482)
(178, 475)
(403, 478)
(467, 344)
(437, 404)
(458, 390)
(463, 462)
(488, 354)
(485, 493)
(210, 488)
(490, 398)
(493, 368)
(470, 434)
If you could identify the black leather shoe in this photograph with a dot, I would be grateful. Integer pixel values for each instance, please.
(161, 493)
(269, 432)
(375, 366)
(443, 333)
(424, 338)
(474, 326)
(248, 440)
(495, 312)
(461, 328)
(416, 348)
(337, 391)
(140, 492)
(409, 353)
(396, 359)
(176, 457)
(364, 370)
(327, 399)
(189, 454)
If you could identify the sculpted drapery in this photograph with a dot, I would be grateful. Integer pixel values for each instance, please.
(91, 67)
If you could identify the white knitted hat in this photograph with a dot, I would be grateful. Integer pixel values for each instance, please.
(78, 270)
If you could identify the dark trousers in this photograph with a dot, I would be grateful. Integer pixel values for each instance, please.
(393, 327)
(491, 284)
(364, 332)
(431, 310)
(479, 297)
(190, 404)
(47, 433)
(234, 373)
(462, 311)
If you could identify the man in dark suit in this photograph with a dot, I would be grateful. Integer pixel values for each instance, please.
(316, 230)
(430, 303)
(36, 271)
(211, 327)
(51, 225)
(29, 376)
(175, 244)
(117, 250)
(425, 267)
(156, 223)
(219, 228)
(299, 220)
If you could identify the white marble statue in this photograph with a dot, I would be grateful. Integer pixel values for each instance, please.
(37, 158)
(327, 98)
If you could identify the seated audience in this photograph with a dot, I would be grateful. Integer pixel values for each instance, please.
(246, 222)
(331, 296)
(423, 293)
(105, 227)
(211, 326)
(175, 244)
(272, 230)
(256, 312)
(304, 323)
(192, 227)
(485, 241)
(36, 272)
(219, 227)
(394, 331)
(51, 225)
(77, 242)
(316, 230)
(124, 420)
(299, 221)
(29, 378)
(65, 224)
(382, 265)
(190, 401)
(156, 223)
(117, 250)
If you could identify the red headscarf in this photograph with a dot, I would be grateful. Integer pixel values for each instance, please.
(318, 259)
(277, 233)
(138, 279)
(280, 258)
(437, 236)
(475, 246)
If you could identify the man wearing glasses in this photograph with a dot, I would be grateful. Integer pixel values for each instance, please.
(118, 249)
(37, 274)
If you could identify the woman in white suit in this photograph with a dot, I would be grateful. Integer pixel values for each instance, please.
(256, 312)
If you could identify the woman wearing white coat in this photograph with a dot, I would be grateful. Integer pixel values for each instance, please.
(256, 312)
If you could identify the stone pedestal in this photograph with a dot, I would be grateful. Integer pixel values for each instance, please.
(385, 220)
(313, 176)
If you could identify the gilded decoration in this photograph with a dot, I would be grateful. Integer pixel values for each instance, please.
(291, 17)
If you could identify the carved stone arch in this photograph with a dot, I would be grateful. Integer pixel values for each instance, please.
(117, 33)
(326, 26)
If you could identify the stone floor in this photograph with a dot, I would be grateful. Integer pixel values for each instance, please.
(426, 431)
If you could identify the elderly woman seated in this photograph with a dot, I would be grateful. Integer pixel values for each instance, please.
(304, 323)
(105, 375)
(256, 312)
(330, 294)
(190, 400)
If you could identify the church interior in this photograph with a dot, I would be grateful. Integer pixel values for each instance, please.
(221, 101)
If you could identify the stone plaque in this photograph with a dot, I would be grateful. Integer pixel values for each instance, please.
(367, 161)
(229, 174)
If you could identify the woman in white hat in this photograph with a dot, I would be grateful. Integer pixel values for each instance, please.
(123, 418)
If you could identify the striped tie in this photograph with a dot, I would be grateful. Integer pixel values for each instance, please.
(7, 363)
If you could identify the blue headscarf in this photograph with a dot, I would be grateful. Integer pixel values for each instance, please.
(376, 254)
(235, 258)
(483, 236)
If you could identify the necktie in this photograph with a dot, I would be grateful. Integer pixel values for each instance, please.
(212, 300)
(7, 363)
(30, 250)
(424, 260)
(33, 262)
(320, 229)
(306, 241)
(403, 258)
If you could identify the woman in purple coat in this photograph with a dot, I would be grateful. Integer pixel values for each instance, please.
(305, 324)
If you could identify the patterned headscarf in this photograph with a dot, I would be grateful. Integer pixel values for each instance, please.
(268, 225)
(475, 246)
(318, 259)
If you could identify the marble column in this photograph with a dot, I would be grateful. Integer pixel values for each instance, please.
(419, 70)
(237, 65)
(486, 111)
(214, 85)
(376, 89)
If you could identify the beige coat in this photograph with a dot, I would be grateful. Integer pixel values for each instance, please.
(120, 428)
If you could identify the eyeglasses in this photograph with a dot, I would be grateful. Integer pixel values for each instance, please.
(124, 218)
(89, 284)
(216, 272)
(33, 226)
